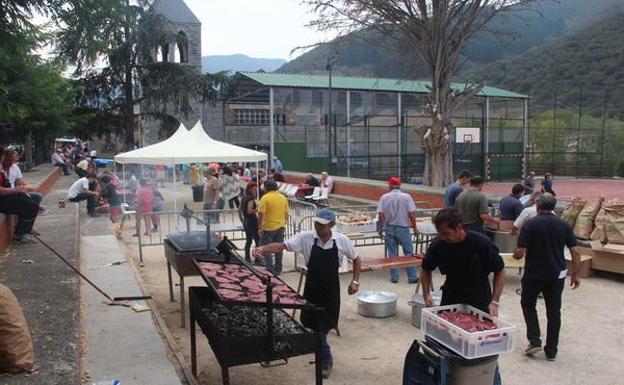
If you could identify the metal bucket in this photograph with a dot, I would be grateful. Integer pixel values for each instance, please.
(418, 303)
(377, 304)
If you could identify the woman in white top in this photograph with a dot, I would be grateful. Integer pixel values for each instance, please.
(229, 188)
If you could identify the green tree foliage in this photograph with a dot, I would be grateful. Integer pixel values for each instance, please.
(578, 70)
(112, 44)
(34, 98)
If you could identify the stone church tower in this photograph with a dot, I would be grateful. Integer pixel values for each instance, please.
(186, 51)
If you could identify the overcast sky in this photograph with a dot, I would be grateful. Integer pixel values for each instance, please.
(257, 28)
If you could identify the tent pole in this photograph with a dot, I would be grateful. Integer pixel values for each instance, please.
(175, 190)
(123, 179)
(258, 183)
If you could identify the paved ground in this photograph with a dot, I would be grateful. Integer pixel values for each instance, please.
(569, 188)
(117, 336)
(48, 291)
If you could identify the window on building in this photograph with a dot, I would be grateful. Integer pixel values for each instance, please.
(257, 117)
(183, 48)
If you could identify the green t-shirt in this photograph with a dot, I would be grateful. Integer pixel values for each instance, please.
(471, 204)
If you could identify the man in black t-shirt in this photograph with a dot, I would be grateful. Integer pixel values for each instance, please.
(541, 243)
(466, 258)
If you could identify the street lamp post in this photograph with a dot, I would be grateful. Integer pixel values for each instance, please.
(330, 131)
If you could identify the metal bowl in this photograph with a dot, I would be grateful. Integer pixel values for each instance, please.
(377, 304)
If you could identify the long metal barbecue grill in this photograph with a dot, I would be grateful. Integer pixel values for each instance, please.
(248, 328)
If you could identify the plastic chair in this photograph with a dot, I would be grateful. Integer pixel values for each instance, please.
(324, 194)
(125, 213)
(316, 193)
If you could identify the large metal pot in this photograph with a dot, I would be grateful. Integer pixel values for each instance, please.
(506, 242)
(377, 304)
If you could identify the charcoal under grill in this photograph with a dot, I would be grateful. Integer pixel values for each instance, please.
(180, 250)
(248, 331)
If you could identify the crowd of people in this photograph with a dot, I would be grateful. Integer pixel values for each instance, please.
(467, 256)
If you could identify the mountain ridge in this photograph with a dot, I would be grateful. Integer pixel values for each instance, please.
(239, 62)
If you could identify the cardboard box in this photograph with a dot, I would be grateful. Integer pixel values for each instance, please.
(609, 257)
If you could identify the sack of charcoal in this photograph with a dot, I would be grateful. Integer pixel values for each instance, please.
(572, 211)
(16, 348)
(600, 223)
(584, 224)
(615, 223)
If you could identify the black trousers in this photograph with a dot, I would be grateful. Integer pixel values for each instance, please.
(251, 233)
(24, 207)
(90, 198)
(233, 202)
(552, 290)
(80, 172)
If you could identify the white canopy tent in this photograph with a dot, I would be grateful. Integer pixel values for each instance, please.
(186, 146)
(190, 146)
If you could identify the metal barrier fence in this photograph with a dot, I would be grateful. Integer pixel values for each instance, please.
(228, 223)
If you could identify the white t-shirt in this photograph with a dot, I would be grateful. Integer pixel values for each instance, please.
(77, 187)
(302, 243)
(525, 215)
(14, 174)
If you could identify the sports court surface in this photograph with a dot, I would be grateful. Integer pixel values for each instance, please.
(569, 188)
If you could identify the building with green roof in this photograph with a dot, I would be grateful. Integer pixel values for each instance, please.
(368, 127)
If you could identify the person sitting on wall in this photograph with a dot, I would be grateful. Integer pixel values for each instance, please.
(327, 181)
(310, 180)
(58, 161)
(277, 176)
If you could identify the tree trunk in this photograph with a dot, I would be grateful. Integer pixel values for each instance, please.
(438, 156)
(128, 92)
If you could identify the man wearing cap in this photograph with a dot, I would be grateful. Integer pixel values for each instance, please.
(323, 250)
(396, 213)
(58, 161)
(272, 218)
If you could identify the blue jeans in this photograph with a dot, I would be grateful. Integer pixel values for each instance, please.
(325, 349)
(396, 235)
(266, 259)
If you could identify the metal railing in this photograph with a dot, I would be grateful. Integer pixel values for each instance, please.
(226, 222)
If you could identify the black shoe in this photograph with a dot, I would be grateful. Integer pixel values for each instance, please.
(394, 280)
(550, 357)
(412, 280)
(326, 368)
(22, 239)
(92, 215)
(532, 349)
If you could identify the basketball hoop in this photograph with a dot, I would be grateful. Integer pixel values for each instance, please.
(468, 138)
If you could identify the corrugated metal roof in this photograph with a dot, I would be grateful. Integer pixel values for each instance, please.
(175, 11)
(363, 84)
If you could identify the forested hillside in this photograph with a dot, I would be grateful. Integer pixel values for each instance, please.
(580, 68)
(365, 54)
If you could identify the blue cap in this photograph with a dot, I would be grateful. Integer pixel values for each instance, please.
(325, 216)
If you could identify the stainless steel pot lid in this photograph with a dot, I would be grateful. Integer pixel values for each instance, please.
(372, 296)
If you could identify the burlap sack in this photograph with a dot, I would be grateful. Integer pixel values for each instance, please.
(16, 348)
(584, 224)
(600, 223)
(572, 210)
(615, 223)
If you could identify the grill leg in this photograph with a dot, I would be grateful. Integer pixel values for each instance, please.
(182, 303)
(193, 346)
(170, 281)
(226, 375)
